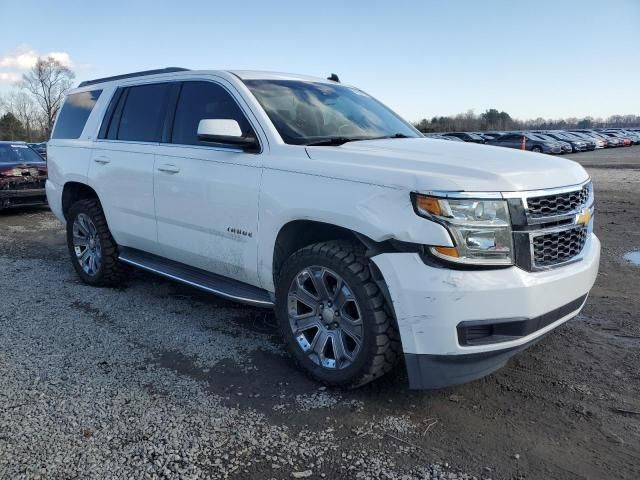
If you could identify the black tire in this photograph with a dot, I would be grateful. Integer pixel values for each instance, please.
(536, 149)
(110, 271)
(380, 346)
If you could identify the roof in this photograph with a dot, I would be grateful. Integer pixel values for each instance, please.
(132, 75)
(242, 74)
(262, 75)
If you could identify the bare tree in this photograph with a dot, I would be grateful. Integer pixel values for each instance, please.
(48, 81)
(26, 111)
(3, 104)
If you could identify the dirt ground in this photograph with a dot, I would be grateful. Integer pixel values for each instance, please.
(567, 408)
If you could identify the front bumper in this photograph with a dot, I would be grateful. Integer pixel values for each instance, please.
(19, 192)
(430, 303)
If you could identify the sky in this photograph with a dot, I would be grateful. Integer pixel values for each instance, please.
(423, 58)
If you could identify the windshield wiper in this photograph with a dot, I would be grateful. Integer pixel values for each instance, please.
(332, 141)
(397, 135)
(335, 141)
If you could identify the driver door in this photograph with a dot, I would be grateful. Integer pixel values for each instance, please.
(206, 195)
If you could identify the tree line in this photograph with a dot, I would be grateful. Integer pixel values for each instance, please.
(493, 119)
(29, 111)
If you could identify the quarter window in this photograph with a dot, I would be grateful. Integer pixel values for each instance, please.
(74, 114)
(203, 100)
(143, 113)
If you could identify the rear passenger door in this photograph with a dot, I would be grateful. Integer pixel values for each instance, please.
(207, 194)
(123, 159)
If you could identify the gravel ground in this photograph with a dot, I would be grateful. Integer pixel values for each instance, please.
(157, 380)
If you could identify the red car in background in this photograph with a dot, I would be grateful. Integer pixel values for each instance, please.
(22, 176)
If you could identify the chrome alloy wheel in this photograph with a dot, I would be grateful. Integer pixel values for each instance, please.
(325, 318)
(86, 244)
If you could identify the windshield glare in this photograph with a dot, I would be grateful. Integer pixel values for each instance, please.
(306, 112)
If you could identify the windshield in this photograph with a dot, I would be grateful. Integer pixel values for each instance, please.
(18, 153)
(309, 112)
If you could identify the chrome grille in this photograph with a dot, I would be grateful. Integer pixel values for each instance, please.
(558, 204)
(558, 247)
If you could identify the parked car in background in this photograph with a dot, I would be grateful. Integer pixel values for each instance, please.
(526, 141)
(624, 140)
(439, 136)
(599, 142)
(611, 142)
(564, 146)
(591, 143)
(40, 148)
(466, 137)
(22, 176)
(486, 136)
(495, 134)
(622, 133)
(576, 144)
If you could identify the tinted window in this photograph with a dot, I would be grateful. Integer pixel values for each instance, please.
(143, 113)
(203, 100)
(18, 153)
(109, 116)
(74, 114)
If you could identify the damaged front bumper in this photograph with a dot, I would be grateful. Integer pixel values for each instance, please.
(22, 191)
(460, 325)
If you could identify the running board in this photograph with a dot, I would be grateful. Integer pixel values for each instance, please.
(196, 277)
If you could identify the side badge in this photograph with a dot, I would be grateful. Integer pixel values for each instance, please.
(239, 231)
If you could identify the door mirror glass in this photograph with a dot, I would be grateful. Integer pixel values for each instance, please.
(225, 131)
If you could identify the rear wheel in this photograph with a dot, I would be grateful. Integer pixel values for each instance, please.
(333, 316)
(93, 251)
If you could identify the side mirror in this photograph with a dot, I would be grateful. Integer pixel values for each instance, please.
(226, 131)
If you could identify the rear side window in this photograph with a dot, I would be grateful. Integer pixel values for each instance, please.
(74, 114)
(203, 100)
(142, 114)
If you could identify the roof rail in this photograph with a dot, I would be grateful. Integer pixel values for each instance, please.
(134, 74)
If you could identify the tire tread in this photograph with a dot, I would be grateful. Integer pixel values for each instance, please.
(112, 270)
(387, 345)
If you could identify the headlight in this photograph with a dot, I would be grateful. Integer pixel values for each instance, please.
(480, 229)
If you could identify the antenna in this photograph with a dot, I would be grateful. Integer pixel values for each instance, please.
(334, 78)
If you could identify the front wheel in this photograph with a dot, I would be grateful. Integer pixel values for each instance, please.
(537, 149)
(333, 316)
(93, 251)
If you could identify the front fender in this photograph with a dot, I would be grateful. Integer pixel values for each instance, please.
(379, 213)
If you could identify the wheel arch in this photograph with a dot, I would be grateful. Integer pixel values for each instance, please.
(74, 191)
(297, 234)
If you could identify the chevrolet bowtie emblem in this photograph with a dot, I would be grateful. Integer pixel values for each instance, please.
(583, 217)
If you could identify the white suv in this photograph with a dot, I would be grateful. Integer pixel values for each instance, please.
(310, 197)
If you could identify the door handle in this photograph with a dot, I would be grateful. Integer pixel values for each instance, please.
(102, 160)
(167, 168)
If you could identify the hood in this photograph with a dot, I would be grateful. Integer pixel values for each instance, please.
(422, 164)
(16, 168)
